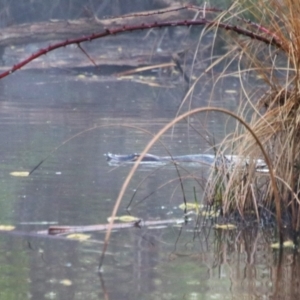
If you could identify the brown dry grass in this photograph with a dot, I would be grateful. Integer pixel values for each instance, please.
(273, 129)
(274, 117)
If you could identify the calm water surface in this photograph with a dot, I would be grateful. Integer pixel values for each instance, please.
(43, 109)
(75, 186)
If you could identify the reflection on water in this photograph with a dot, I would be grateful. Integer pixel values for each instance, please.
(41, 111)
(76, 186)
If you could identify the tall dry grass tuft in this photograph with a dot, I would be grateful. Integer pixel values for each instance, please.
(269, 48)
(274, 117)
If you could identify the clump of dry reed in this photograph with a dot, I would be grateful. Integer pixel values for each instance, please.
(274, 118)
(270, 46)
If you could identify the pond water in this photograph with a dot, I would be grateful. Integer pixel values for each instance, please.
(41, 110)
(76, 186)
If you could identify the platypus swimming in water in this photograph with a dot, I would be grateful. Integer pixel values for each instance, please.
(208, 159)
(117, 158)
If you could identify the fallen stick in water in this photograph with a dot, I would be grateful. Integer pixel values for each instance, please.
(58, 230)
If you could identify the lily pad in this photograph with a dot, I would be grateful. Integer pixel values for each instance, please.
(6, 227)
(78, 236)
(66, 282)
(125, 218)
(190, 206)
(225, 226)
(19, 174)
(286, 244)
(210, 214)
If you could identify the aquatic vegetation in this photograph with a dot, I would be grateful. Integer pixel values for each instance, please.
(263, 42)
(269, 51)
(273, 117)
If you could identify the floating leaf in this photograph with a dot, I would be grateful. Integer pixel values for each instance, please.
(225, 226)
(128, 219)
(190, 206)
(211, 214)
(78, 236)
(38, 223)
(19, 174)
(286, 244)
(66, 282)
(7, 227)
(125, 218)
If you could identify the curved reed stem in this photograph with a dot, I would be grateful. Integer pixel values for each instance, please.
(156, 138)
